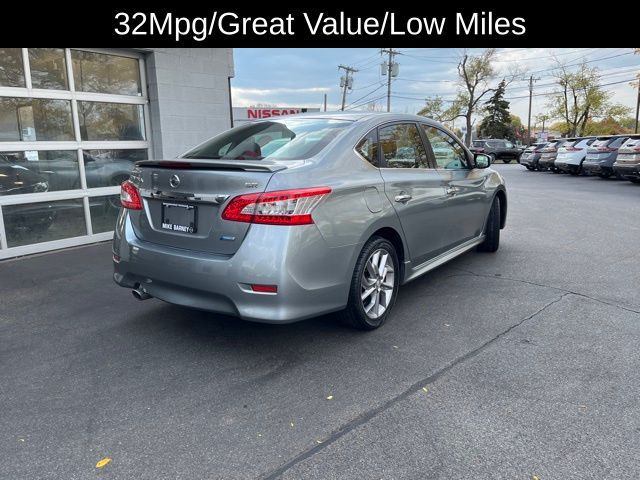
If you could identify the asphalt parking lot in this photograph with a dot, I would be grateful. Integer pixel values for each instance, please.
(511, 365)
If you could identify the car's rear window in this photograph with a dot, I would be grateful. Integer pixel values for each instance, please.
(632, 142)
(617, 142)
(284, 139)
(601, 142)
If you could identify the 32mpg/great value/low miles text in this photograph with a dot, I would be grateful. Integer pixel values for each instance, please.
(231, 24)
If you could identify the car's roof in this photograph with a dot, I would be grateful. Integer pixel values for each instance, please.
(356, 116)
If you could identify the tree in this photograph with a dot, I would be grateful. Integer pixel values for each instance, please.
(474, 75)
(581, 99)
(519, 131)
(497, 122)
(434, 108)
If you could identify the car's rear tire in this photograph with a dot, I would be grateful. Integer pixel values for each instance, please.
(492, 229)
(374, 285)
(605, 175)
(506, 160)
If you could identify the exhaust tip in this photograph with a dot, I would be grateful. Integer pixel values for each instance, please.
(140, 294)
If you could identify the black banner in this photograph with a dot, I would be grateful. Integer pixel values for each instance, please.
(428, 24)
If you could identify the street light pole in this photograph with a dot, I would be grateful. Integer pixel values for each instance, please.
(638, 105)
(531, 80)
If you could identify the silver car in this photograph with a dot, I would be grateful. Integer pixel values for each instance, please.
(280, 220)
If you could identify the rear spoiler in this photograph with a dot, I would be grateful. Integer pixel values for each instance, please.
(193, 164)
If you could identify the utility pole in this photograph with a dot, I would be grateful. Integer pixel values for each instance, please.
(346, 82)
(638, 105)
(531, 80)
(391, 71)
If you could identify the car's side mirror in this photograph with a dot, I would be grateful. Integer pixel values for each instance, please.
(482, 160)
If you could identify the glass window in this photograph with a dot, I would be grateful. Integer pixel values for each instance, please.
(508, 144)
(38, 171)
(48, 68)
(100, 73)
(448, 152)
(368, 148)
(104, 211)
(402, 146)
(27, 119)
(11, 67)
(290, 139)
(110, 121)
(43, 221)
(106, 168)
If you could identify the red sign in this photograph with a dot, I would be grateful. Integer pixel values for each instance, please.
(272, 112)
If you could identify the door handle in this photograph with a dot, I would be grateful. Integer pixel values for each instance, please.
(403, 198)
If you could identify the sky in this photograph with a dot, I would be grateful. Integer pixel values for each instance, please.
(298, 77)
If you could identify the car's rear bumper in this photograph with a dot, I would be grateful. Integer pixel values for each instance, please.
(311, 277)
(628, 170)
(531, 160)
(546, 162)
(592, 168)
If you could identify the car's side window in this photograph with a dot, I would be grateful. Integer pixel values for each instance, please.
(448, 152)
(402, 146)
(508, 144)
(368, 148)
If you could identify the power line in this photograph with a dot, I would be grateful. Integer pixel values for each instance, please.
(367, 102)
(364, 96)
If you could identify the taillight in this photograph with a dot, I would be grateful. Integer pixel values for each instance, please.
(285, 207)
(129, 196)
(264, 288)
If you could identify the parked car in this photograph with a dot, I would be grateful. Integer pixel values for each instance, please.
(496, 149)
(549, 153)
(572, 154)
(531, 155)
(321, 224)
(602, 154)
(627, 162)
(17, 179)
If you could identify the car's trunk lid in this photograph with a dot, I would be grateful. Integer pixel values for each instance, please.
(183, 201)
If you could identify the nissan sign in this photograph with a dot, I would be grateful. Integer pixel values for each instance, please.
(243, 114)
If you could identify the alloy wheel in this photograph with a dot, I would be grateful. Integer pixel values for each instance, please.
(377, 283)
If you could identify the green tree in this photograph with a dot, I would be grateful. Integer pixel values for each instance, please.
(435, 108)
(580, 99)
(519, 130)
(497, 122)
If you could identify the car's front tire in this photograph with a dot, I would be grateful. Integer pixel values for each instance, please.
(374, 285)
(492, 229)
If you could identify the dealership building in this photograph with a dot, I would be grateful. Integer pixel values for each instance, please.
(73, 121)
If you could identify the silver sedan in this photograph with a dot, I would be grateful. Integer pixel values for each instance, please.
(281, 220)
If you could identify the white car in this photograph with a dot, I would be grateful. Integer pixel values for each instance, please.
(572, 154)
